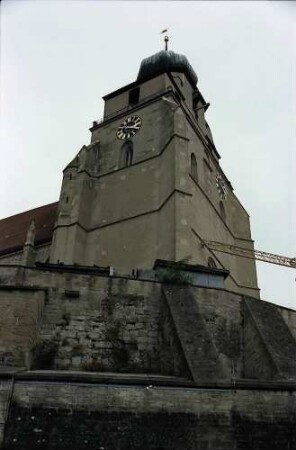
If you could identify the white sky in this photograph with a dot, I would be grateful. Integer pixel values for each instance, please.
(58, 58)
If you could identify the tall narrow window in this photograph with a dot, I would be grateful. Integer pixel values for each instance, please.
(126, 154)
(193, 167)
(134, 96)
(211, 263)
(222, 211)
(129, 156)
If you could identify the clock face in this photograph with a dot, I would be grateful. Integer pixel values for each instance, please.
(129, 128)
(222, 190)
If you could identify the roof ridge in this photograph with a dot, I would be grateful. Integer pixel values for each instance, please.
(29, 210)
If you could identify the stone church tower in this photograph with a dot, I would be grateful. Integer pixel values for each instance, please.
(149, 186)
(96, 355)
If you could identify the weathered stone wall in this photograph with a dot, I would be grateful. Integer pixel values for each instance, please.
(91, 323)
(258, 362)
(41, 254)
(75, 416)
(98, 323)
(270, 348)
(5, 391)
(172, 357)
(289, 317)
(20, 313)
(13, 258)
(221, 312)
(113, 325)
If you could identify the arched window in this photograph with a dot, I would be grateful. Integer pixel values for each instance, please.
(193, 167)
(222, 211)
(126, 154)
(211, 263)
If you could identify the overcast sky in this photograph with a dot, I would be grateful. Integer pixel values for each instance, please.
(58, 58)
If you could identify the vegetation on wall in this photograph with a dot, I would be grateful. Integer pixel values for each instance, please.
(174, 276)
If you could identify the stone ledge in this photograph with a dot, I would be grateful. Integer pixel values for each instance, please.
(19, 374)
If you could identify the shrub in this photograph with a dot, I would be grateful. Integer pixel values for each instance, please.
(174, 276)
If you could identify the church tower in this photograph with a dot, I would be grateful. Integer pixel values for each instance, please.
(149, 185)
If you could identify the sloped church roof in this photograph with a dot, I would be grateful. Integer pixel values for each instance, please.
(13, 230)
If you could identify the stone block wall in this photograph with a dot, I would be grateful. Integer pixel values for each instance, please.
(20, 315)
(258, 362)
(108, 327)
(41, 254)
(289, 317)
(74, 416)
(270, 348)
(172, 357)
(98, 323)
(5, 392)
(223, 317)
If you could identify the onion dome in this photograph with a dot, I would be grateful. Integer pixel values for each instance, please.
(166, 61)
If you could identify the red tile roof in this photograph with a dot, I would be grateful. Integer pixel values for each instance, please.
(13, 230)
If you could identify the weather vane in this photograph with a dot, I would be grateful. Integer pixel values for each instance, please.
(166, 39)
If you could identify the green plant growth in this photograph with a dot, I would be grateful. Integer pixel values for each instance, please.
(174, 276)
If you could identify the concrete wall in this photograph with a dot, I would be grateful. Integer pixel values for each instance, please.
(77, 416)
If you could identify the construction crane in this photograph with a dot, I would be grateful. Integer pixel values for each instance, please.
(251, 254)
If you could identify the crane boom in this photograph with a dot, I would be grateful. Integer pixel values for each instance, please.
(252, 254)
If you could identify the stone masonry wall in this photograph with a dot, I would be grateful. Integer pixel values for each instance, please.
(99, 323)
(20, 315)
(289, 317)
(270, 348)
(257, 360)
(41, 254)
(115, 327)
(5, 391)
(172, 358)
(223, 316)
(75, 416)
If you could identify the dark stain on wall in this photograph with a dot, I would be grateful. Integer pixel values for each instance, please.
(65, 429)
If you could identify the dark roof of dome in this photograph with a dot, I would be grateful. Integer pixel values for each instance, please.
(166, 61)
